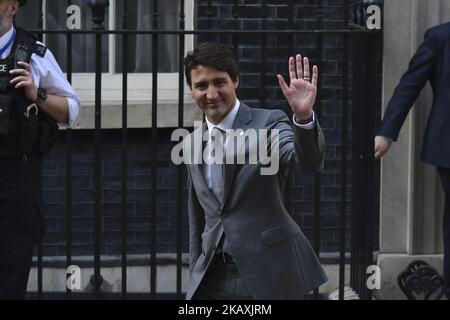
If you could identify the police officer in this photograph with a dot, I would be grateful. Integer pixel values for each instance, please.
(34, 96)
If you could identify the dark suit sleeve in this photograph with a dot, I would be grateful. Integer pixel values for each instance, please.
(405, 94)
(196, 225)
(299, 149)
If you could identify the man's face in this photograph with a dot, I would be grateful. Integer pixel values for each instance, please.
(213, 91)
(8, 9)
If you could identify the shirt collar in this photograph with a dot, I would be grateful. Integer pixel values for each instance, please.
(228, 121)
(5, 38)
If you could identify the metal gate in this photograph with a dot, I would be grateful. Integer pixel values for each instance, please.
(357, 96)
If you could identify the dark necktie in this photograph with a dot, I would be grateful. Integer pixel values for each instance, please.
(216, 167)
(217, 143)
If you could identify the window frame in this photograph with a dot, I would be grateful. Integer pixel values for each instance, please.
(139, 84)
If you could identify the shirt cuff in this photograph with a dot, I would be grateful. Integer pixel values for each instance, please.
(387, 138)
(74, 108)
(310, 125)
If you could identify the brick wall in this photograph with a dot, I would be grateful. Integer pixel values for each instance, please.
(139, 206)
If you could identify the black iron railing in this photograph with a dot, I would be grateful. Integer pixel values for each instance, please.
(358, 105)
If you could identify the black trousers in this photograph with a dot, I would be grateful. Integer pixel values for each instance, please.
(21, 222)
(222, 281)
(444, 174)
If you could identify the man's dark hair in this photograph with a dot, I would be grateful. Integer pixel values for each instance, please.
(211, 54)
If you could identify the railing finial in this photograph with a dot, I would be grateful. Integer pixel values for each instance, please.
(98, 12)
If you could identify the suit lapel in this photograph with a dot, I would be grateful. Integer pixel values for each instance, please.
(243, 118)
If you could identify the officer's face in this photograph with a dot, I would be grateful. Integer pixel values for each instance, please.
(213, 91)
(8, 9)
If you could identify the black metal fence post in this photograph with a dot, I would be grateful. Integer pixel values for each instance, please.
(262, 97)
(180, 180)
(154, 164)
(344, 149)
(98, 17)
(69, 166)
(318, 111)
(124, 162)
(39, 246)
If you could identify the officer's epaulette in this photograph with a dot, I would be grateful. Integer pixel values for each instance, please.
(40, 49)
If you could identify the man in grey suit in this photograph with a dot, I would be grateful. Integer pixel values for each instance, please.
(243, 242)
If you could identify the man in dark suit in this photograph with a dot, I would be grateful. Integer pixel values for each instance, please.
(243, 242)
(430, 63)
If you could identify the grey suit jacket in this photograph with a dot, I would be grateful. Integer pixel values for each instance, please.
(271, 253)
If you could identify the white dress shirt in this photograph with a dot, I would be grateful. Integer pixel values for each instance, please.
(224, 125)
(48, 75)
(310, 125)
